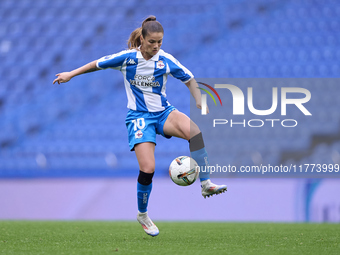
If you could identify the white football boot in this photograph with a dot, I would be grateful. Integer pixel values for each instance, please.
(209, 188)
(149, 227)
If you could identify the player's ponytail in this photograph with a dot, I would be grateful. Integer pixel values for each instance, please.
(149, 25)
(134, 40)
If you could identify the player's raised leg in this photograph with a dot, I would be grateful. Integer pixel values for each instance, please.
(180, 125)
(146, 160)
(199, 153)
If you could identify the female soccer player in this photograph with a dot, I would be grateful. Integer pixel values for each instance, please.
(145, 68)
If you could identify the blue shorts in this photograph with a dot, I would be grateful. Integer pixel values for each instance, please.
(143, 126)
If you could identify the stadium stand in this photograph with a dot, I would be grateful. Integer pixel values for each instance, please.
(77, 129)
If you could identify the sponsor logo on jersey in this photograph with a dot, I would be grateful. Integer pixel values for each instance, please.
(144, 81)
(160, 64)
(144, 77)
(131, 62)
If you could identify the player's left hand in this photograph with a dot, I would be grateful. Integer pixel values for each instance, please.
(199, 106)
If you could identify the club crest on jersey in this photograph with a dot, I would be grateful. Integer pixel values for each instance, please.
(138, 134)
(160, 64)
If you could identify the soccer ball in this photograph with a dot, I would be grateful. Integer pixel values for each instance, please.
(183, 171)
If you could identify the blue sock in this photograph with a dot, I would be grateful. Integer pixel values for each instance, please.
(143, 194)
(201, 157)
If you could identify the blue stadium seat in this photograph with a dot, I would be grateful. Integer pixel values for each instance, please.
(77, 124)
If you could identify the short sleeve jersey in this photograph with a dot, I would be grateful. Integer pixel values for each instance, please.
(145, 80)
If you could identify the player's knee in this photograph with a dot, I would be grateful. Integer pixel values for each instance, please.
(186, 134)
(194, 130)
(145, 178)
(190, 131)
(149, 169)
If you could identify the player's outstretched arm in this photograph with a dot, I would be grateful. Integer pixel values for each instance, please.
(66, 76)
(195, 92)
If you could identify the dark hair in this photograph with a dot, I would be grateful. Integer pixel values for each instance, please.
(149, 25)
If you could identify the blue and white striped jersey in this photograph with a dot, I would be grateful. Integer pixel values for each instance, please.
(145, 80)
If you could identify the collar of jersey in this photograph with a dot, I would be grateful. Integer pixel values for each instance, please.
(154, 58)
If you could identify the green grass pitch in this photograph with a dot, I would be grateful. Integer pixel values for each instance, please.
(101, 237)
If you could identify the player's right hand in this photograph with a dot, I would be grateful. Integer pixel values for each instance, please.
(62, 77)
